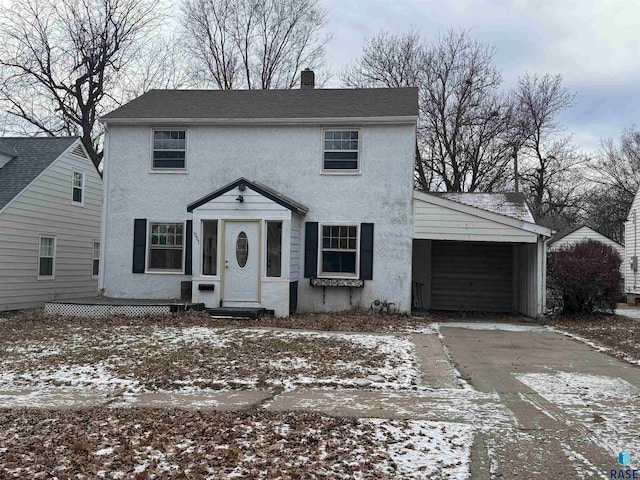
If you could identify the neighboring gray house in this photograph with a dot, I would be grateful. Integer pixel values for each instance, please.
(50, 203)
(285, 200)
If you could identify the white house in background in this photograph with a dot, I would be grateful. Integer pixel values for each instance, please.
(632, 251)
(581, 233)
(578, 234)
(284, 200)
(50, 204)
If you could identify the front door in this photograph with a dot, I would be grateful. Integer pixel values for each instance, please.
(241, 264)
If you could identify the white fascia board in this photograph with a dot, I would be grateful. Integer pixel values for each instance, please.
(263, 121)
(478, 212)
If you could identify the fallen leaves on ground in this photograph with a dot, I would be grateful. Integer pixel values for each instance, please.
(618, 333)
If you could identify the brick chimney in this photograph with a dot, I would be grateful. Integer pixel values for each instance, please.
(307, 79)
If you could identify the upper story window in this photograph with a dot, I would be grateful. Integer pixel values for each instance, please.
(169, 149)
(77, 189)
(341, 150)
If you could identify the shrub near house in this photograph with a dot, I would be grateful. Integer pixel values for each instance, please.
(586, 277)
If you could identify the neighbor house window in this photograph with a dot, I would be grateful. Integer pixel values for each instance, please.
(274, 249)
(46, 257)
(209, 247)
(166, 246)
(339, 249)
(341, 150)
(169, 149)
(95, 262)
(77, 195)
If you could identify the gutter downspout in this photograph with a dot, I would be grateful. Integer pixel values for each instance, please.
(105, 201)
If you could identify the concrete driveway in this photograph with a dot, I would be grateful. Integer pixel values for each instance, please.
(541, 405)
(575, 408)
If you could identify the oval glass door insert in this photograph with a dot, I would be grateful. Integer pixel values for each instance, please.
(242, 249)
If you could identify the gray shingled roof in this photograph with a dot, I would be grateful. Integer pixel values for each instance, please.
(262, 104)
(512, 205)
(31, 155)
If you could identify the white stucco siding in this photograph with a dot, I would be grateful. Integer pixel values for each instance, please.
(286, 158)
(435, 222)
(44, 208)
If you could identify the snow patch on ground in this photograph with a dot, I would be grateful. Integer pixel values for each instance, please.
(73, 376)
(572, 388)
(423, 449)
(628, 312)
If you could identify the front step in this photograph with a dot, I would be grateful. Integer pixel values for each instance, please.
(239, 312)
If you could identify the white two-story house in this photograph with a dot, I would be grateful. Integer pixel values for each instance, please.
(302, 200)
(282, 199)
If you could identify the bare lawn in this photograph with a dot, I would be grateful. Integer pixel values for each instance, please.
(189, 352)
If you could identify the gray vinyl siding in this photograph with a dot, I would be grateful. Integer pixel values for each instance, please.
(44, 208)
(295, 248)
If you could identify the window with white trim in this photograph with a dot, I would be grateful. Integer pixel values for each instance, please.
(339, 250)
(77, 188)
(274, 249)
(95, 260)
(169, 149)
(46, 257)
(166, 246)
(341, 150)
(209, 247)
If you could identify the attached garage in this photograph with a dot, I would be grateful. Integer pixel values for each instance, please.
(478, 252)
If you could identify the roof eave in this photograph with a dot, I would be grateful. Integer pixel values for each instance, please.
(409, 119)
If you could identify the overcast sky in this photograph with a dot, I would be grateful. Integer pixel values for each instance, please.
(593, 44)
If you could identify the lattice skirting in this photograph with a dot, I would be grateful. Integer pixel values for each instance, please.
(84, 310)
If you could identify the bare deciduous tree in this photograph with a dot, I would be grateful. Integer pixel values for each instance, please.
(615, 172)
(465, 125)
(550, 174)
(61, 59)
(258, 44)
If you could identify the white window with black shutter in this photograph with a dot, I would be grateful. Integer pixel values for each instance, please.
(338, 251)
(162, 247)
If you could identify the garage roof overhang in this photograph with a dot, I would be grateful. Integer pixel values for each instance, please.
(437, 218)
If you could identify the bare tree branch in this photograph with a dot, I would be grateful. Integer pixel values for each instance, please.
(61, 59)
(253, 43)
